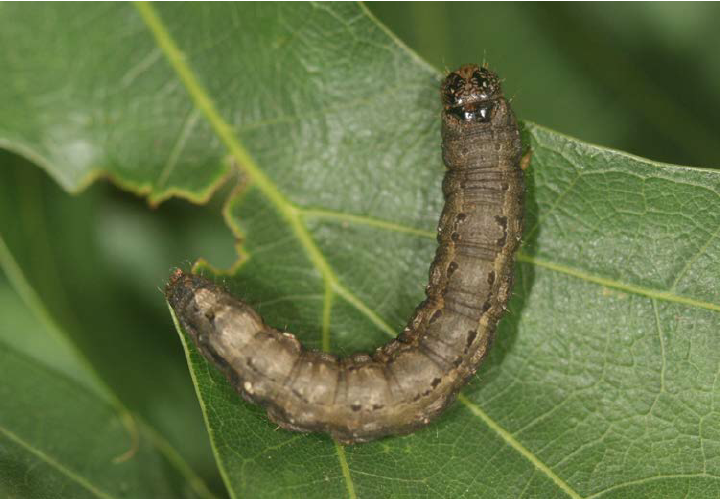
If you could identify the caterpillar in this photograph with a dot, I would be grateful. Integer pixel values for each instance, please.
(407, 383)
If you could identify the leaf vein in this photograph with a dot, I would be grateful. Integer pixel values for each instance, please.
(650, 479)
(611, 283)
(177, 148)
(517, 446)
(345, 470)
(701, 251)
(82, 481)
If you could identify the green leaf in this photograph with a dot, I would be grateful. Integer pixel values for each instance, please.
(603, 378)
(60, 440)
(62, 432)
(61, 255)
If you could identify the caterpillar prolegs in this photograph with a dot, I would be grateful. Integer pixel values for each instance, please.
(406, 383)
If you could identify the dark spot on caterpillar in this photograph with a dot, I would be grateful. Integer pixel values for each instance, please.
(502, 222)
(435, 316)
(471, 337)
(460, 114)
(483, 113)
(481, 147)
(404, 337)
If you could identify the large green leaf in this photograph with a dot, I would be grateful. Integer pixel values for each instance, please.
(603, 379)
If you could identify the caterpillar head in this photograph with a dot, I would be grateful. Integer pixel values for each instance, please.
(470, 94)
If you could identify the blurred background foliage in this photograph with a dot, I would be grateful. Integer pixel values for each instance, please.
(639, 77)
(642, 78)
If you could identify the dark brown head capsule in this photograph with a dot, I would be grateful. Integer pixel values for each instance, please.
(469, 94)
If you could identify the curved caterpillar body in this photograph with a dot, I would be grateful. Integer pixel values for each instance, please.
(406, 383)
